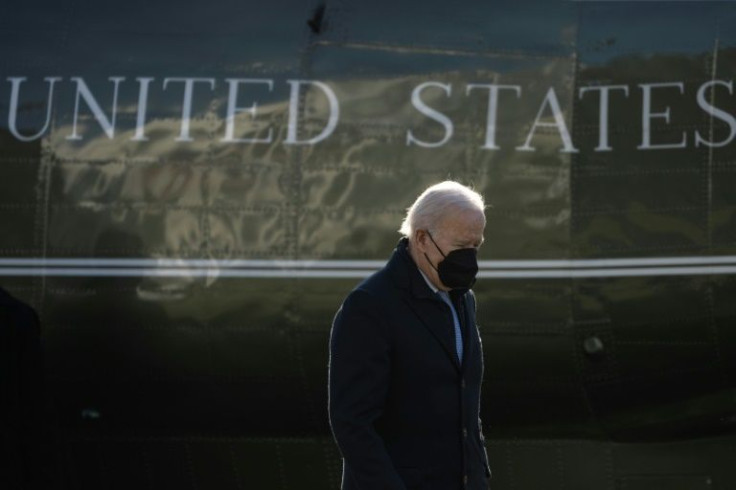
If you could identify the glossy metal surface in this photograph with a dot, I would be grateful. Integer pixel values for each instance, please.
(597, 358)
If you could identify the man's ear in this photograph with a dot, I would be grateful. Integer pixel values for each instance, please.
(420, 239)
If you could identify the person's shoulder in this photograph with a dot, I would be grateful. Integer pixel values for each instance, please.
(8, 302)
(370, 290)
(6, 299)
(379, 286)
(378, 281)
(17, 309)
(372, 295)
(377, 290)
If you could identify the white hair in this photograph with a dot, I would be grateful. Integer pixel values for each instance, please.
(433, 204)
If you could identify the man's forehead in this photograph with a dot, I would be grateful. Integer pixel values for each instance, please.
(463, 218)
(463, 225)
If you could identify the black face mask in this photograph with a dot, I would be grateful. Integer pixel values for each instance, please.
(458, 269)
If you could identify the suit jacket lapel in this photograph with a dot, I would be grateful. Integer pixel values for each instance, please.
(425, 304)
(432, 315)
(468, 327)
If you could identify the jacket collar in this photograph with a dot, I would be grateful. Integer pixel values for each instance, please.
(406, 273)
(406, 276)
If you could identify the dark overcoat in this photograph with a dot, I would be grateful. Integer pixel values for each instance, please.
(27, 460)
(404, 411)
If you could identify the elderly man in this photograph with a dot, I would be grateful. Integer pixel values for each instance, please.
(405, 357)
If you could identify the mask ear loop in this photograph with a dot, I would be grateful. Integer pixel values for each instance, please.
(438, 248)
(435, 244)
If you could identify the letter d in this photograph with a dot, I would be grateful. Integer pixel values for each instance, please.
(291, 137)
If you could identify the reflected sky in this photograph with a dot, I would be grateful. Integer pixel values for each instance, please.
(372, 55)
(609, 30)
(154, 38)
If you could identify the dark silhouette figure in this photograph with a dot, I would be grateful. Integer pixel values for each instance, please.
(26, 441)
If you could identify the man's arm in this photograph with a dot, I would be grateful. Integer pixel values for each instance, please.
(487, 467)
(359, 376)
(474, 309)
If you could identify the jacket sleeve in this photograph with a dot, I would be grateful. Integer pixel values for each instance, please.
(27, 458)
(474, 309)
(359, 376)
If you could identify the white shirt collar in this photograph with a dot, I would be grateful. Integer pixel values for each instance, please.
(429, 283)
